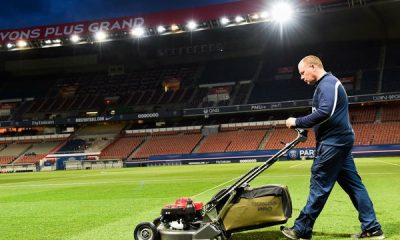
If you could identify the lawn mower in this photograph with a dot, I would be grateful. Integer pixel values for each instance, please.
(235, 208)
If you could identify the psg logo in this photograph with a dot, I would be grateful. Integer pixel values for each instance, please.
(293, 154)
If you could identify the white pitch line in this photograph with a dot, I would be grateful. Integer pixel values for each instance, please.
(388, 163)
(156, 180)
(194, 196)
(298, 164)
(106, 182)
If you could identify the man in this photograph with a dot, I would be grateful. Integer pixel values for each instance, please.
(334, 161)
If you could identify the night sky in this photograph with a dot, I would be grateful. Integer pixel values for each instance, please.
(28, 13)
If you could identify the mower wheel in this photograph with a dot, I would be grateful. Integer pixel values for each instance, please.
(146, 231)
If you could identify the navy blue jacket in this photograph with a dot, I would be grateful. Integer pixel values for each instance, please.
(330, 114)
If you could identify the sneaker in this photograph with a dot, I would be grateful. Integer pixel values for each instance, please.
(378, 234)
(291, 234)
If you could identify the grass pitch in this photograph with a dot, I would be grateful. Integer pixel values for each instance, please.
(107, 204)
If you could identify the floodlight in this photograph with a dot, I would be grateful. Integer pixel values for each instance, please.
(100, 36)
(282, 12)
(48, 41)
(224, 20)
(255, 16)
(75, 38)
(10, 45)
(57, 40)
(22, 43)
(161, 29)
(239, 19)
(174, 27)
(264, 14)
(192, 25)
(138, 32)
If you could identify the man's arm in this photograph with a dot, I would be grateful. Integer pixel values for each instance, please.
(327, 98)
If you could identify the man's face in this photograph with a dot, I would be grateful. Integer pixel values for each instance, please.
(308, 73)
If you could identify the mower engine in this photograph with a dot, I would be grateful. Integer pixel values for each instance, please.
(183, 214)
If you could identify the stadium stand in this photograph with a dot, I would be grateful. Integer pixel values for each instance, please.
(122, 147)
(37, 152)
(231, 70)
(13, 151)
(281, 135)
(29, 149)
(377, 133)
(218, 142)
(166, 74)
(390, 112)
(364, 114)
(172, 143)
(233, 139)
(73, 146)
(133, 90)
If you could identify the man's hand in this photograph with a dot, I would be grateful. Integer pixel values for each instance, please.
(291, 122)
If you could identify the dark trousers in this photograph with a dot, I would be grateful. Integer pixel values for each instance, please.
(333, 164)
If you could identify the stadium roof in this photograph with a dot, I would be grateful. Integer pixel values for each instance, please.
(318, 20)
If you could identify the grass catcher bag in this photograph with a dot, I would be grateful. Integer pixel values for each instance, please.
(258, 207)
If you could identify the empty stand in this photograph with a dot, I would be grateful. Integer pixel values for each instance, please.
(12, 151)
(365, 114)
(390, 112)
(168, 144)
(73, 145)
(283, 135)
(122, 147)
(232, 140)
(229, 70)
(377, 133)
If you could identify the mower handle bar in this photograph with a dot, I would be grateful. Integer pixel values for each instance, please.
(253, 173)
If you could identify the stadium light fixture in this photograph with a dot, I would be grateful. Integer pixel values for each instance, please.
(100, 36)
(261, 16)
(239, 19)
(264, 14)
(191, 25)
(138, 32)
(282, 12)
(22, 43)
(75, 38)
(255, 16)
(161, 29)
(174, 27)
(224, 21)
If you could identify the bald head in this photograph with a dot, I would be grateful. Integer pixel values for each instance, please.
(312, 60)
(311, 69)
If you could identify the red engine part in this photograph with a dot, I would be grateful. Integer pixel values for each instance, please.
(184, 210)
(183, 203)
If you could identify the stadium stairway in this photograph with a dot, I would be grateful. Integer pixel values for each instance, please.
(266, 138)
(138, 148)
(378, 115)
(17, 150)
(122, 147)
(22, 154)
(196, 148)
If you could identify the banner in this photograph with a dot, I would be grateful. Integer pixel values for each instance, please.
(180, 16)
(258, 107)
(78, 120)
(284, 105)
(221, 93)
